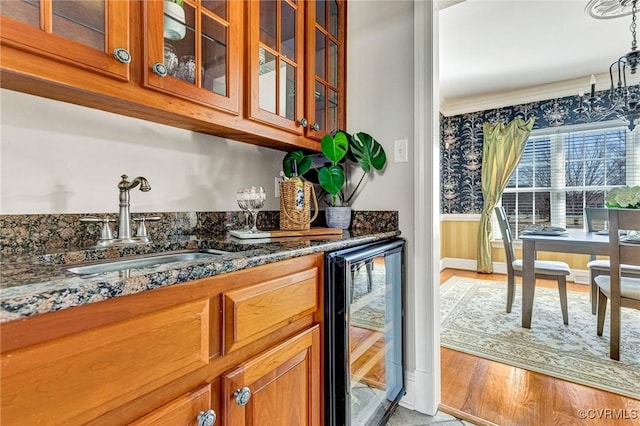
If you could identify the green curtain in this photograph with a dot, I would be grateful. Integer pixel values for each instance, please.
(501, 152)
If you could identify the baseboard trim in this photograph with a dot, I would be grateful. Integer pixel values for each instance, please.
(408, 400)
(578, 276)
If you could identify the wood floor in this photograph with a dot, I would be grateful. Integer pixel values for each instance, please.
(475, 388)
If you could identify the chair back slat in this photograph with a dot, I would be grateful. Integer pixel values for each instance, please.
(621, 252)
(507, 237)
(592, 214)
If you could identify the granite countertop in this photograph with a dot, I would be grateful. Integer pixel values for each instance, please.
(32, 284)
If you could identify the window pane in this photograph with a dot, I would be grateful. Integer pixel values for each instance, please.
(268, 22)
(575, 208)
(321, 43)
(320, 96)
(333, 111)
(321, 13)
(267, 81)
(333, 64)
(287, 90)
(288, 32)
(27, 12)
(333, 18)
(543, 207)
(219, 7)
(80, 21)
(214, 55)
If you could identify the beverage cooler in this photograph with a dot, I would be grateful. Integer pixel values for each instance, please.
(364, 303)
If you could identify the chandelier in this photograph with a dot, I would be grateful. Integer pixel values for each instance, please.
(623, 99)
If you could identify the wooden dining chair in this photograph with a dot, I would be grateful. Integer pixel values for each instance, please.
(621, 291)
(544, 269)
(601, 266)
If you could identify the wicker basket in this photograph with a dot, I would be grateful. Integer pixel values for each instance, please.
(295, 205)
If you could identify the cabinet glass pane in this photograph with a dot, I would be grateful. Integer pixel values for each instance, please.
(185, 49)
(267, 83)
(27, 12)
(321, 43)
(333, 18)
(219, 7)
(320, 96)
(287, 91)
(333, 63)
(321, 13)
(81, 21)
(288, 32)
(214, 56)
(332, 116)
(268, 22)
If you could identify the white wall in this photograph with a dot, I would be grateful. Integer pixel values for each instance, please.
(62, 158)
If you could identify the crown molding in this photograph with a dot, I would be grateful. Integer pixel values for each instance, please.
(517, 97)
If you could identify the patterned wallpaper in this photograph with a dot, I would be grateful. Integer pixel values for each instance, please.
(461, 145)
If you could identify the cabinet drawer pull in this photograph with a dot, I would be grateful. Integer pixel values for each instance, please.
(315, 127)
(160, 69)
(122, 55)
(303, 122)
(206, 418)
(242, 396)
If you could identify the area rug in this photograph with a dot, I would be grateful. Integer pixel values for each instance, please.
(368, 307)
(474, 321)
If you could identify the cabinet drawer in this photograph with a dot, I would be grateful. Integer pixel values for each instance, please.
(257, 310)
(181, 411)
(73, 379)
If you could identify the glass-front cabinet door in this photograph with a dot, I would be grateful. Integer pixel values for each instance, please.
(89, 34)
(325, 69)
(193, 50)
(276, 52)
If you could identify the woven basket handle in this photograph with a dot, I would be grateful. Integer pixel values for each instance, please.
(315, 207)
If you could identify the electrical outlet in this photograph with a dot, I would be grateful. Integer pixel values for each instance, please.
(401, 148)
(276, 182)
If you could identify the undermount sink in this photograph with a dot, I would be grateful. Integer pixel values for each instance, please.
(144, 261)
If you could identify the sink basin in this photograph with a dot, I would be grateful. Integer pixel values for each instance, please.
(143, 261)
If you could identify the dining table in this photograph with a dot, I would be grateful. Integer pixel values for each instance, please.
(571, 241)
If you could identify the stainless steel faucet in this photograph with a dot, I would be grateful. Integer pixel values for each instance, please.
(124, 216)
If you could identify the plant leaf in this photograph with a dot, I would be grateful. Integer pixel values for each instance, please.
(303, 162)
(334, 148)
(331, 179)
(368, 152)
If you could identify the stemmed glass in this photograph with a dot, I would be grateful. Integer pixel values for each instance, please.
(255, 201)
(242, 196)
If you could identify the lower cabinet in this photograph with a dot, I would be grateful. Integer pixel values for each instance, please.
(278, 387)
(241, 348)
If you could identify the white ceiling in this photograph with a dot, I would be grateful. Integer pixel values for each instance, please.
(495, 49)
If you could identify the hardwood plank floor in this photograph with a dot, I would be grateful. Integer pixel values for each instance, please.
(505, 395)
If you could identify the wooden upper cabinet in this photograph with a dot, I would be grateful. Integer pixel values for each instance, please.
(325, 67)
(296, 65)
(193, 50)
(275, 95)
(85, 34)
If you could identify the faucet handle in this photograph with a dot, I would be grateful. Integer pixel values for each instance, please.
(142, 229)
(105, 233)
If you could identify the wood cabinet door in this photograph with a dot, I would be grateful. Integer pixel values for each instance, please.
(280, 387)
(325, 67)
(185, 410)
(194, 51)
(86, 34)
(275, 95)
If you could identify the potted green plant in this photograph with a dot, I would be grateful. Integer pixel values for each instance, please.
(339, 153)
(174, 20)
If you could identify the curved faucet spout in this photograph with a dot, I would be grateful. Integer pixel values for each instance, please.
(142, 181)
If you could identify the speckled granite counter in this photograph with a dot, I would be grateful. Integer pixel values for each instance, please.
(32, 284)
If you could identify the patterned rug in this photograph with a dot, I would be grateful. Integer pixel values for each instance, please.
(474, 320)
(367, 308)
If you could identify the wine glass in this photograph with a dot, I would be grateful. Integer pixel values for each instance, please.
(255, 201)
(242, 196)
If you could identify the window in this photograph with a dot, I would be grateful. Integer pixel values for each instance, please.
(562, 173)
